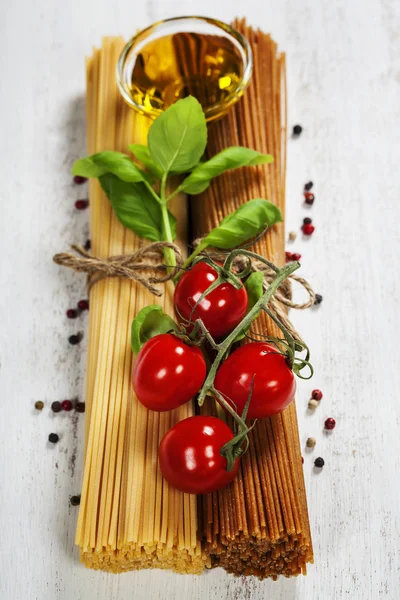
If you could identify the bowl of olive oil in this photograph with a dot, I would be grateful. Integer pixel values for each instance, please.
(185, 56)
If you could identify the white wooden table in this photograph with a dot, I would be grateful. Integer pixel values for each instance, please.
(344, 84)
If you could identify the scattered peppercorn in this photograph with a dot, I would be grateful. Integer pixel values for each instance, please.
(75, 339)
(53, 438)
(87, 245)
(316, 395)
(307, 221)
(81, 204)
(302, 460)
(310, 443)
(72, 313)
(318, 299)
(308, 186)
(292, 236)
(296, 256)
(79, 179)
(39, 405)
(75, 500)
(288, 256)
(80, 407)
(330, 423)
(312, 404)
(309, 198)
(308, 229)
(297, 129)
(67, 405)
(56, 407)
(83, 304)
(319, 462)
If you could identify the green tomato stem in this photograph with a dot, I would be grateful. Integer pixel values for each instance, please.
(281, 275)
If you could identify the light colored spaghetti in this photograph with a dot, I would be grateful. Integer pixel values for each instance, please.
(129, 517)
(259, 524)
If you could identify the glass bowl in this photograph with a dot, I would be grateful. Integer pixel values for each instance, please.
(186, 55)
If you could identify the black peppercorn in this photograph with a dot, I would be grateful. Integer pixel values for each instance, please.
(75, 500)
(307, 221)
(53, 438)
(297, 129)
(308, 186)
(319, 462)
(75, 339)
(80, 407)
(56, 407)
(318, 299)
(87, 245)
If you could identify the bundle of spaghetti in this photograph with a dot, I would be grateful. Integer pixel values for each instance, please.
(259, 524)
(129, 517)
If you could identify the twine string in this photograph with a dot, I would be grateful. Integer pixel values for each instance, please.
(141, 266)
(146, 266)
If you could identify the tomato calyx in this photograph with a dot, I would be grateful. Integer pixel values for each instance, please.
(234, 448)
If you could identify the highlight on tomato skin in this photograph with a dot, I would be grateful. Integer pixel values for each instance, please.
(221, 310)
(274, 381)
(167, 372)
(190, 455)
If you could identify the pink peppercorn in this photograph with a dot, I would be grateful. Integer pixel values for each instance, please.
(81, 204)
(66, 405)
(83, 304)
(79, 179)
(316, 395)
(330, 423)
(308, 229)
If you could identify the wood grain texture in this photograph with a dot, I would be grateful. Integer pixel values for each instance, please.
(344, 80)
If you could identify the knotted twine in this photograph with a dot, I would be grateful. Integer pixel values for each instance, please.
(142, 266)
(148, 259)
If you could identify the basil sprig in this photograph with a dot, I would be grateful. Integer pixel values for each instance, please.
(176, 144)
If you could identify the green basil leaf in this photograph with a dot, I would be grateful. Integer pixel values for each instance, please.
(142, 153)
(178, 137)
(254, 287)
(244, 223)
(135, 207)
(149, 322)
(117, 163)
(230, 158)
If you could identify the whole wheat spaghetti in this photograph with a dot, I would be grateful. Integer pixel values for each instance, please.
(259, 524)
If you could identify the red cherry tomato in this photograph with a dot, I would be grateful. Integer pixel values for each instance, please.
(167, 372)
(190, 458)
(221, 310)
(274, 382)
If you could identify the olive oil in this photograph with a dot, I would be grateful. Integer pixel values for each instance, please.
(209, 67)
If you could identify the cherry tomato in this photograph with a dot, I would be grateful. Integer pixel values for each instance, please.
(274, 382)
(167, 372)
(190, 458)
(220, 311)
